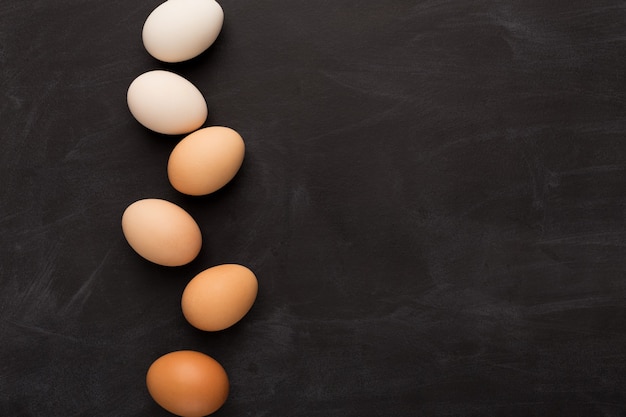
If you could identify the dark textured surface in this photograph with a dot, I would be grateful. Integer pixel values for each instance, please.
(433, 200)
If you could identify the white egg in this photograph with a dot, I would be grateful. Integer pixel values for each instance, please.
(166, 103)
(179, 30)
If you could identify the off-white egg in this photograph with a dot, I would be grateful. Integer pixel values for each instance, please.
(179, 30)
(206, 160)
(161, 232)
(166, 103)
(219, 297)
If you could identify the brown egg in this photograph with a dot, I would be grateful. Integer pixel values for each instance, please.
(161, 232)
(188, 383)
(219, 297)
(205, 160)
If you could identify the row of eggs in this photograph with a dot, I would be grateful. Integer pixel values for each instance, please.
(165, 234)
(187, 383)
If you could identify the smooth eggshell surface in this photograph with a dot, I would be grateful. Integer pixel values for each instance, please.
(206, 160)
(166, 103)
(219, 297)
(179, 30)
(188, 383)
(161, 232)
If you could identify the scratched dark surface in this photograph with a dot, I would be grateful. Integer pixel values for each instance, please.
(433, 199)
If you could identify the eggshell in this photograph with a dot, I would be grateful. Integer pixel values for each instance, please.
(188, 383)
(179, 30)
(161, 232)
(206, 160)
(219, 297)
(166, 103)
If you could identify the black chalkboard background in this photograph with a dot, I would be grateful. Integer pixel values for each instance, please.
(433, 200)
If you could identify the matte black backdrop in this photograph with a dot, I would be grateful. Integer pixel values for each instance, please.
(433, 200)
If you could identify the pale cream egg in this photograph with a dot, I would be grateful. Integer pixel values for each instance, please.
(161, 232)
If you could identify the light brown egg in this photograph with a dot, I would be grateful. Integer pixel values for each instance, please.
(206, 160)
(188, 383)
(219, 297)
(161, 232)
